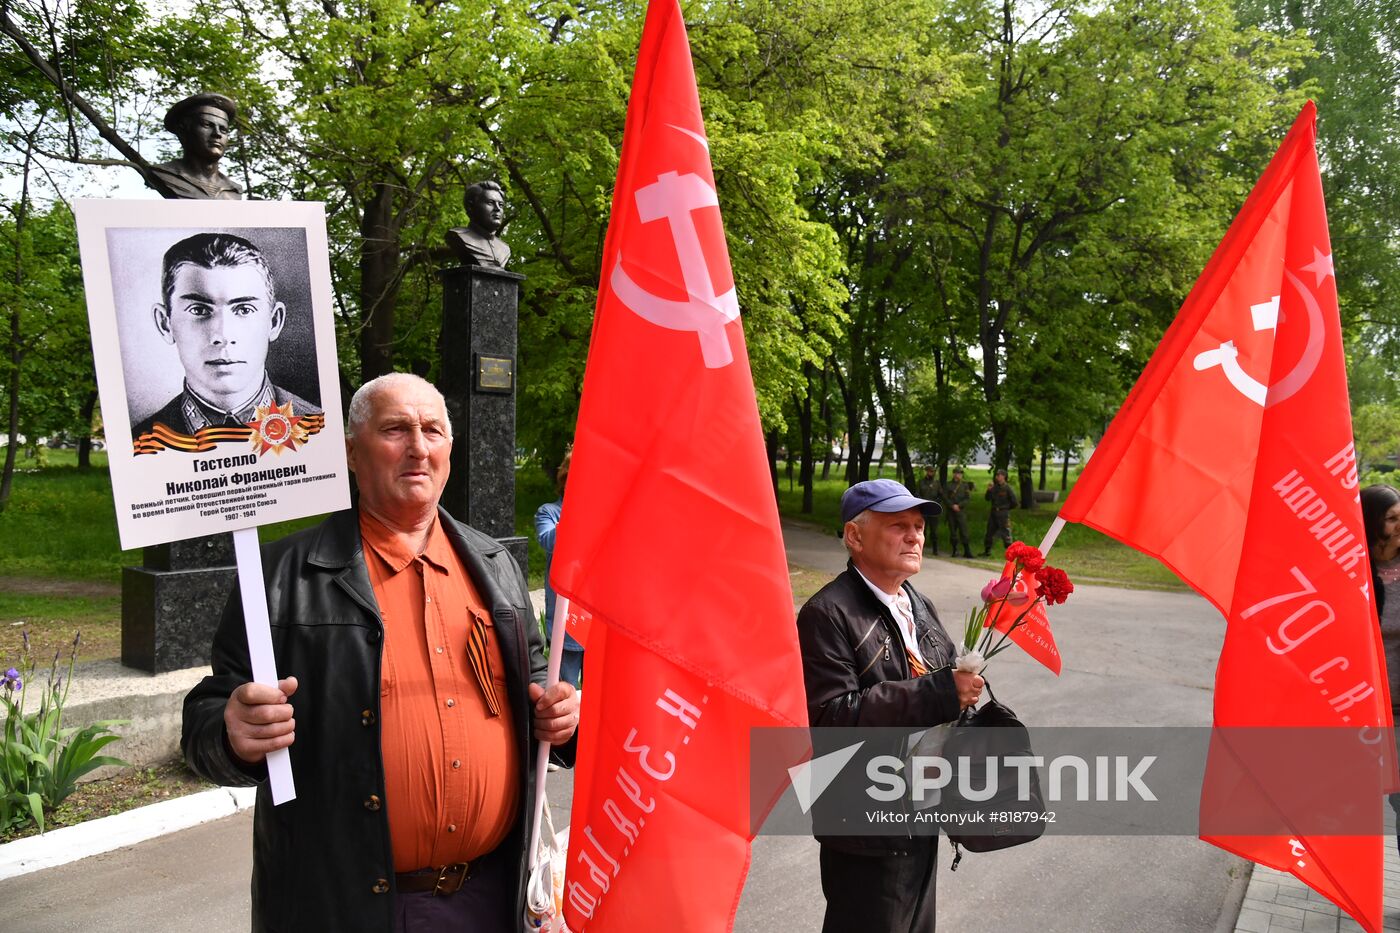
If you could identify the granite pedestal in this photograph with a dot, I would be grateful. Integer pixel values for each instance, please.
(478, 378)
(172, 603)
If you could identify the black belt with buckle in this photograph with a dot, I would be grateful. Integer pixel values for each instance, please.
(440, 881)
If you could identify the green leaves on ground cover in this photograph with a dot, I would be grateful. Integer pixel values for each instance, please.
(41, 760)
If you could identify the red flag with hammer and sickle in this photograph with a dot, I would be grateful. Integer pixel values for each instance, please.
(670, 540)
(1232, 462)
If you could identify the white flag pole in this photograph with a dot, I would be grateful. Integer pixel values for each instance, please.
(255, 622)
(556, 655)
(1050, 536)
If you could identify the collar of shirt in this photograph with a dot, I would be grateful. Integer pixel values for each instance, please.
(201, 413)
(911, 638)
(394, 550)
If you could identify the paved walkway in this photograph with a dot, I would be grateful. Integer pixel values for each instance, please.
(1276, 902)
(1133, 658)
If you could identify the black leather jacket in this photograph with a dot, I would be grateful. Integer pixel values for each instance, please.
(323, 861)
(857, 674)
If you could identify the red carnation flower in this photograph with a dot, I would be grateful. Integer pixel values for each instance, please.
(1030, 558)
(1053, 585)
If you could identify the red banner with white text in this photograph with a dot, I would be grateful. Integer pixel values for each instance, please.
(1232, 462)
(670, 540)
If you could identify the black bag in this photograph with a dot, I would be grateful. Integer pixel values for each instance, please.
(1005, 820)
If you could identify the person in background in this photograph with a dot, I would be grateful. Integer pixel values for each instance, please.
(954, 500)
(1003, 500)
(932, 490)
(546, 521)
(1380, 515)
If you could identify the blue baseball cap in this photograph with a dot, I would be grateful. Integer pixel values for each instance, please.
(883, 495)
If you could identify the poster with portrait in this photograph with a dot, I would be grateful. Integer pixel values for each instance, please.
(214, 342)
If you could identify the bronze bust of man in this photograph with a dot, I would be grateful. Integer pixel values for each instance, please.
(202, 125)
(477, 244)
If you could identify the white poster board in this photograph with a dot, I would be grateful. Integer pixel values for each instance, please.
(214, 341)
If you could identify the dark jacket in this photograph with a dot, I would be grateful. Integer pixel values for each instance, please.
(323, 861)
(1001, 497)
(857, 674)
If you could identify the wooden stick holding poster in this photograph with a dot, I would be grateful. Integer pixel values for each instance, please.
(214, 344)
(259, 629)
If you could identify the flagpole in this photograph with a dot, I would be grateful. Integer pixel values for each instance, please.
(1048, 541)
(556, 655)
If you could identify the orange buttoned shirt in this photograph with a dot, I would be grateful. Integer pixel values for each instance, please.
(451, 774)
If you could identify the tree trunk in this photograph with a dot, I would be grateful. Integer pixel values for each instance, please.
(903, 464)
(771, 445)
(85, 442)
(825, 417)
(848, 399)
(1064, 472)
(804, 420)
(1044, 458)
(1027, 483)
(867, 454)
(379, 283)
(7, 475)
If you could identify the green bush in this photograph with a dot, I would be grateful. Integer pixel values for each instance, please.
(41, 760)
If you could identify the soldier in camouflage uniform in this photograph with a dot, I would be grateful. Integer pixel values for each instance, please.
(1003, 500)
(932, 490)
(956, 495)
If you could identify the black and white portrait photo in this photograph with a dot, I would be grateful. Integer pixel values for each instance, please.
(215, 351)
(213, 326)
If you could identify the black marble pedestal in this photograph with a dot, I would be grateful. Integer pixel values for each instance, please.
(478, 378)
(171, 605)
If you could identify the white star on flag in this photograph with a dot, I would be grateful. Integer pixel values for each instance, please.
(1320, 267)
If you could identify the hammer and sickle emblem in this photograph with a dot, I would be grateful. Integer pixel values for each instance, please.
(1226, 356)
(672, 198)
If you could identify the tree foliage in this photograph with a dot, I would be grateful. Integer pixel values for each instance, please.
(952, 222)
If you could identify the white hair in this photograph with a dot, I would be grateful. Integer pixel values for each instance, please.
(860, 521)
(362, 402)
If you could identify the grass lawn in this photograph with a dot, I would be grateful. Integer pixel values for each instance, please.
(1085, 554)
(60, 561)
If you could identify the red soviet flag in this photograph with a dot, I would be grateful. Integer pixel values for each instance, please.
(670, 540)
(1231, 462)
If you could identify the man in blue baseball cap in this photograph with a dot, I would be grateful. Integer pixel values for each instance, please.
(875, 654)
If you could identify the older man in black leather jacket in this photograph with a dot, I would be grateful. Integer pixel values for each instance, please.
(874, 653)
(324, 861)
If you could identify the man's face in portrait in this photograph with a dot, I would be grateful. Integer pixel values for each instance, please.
(221, 321)
(204, 134)
(400, 454)
(487, 210)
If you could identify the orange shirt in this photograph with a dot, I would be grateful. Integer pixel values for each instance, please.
(451, 775)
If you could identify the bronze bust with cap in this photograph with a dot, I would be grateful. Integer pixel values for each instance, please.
(477, 244)
(202, 124)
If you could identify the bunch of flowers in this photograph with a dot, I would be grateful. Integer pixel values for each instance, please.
(1025, 584)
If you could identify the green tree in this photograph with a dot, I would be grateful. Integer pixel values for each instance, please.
(1079, 187)
(1355, 76)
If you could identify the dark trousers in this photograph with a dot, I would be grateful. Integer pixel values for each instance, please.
(931, 535)
(881, 893)
(957, 532)
(998, 526)
(484, 904)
